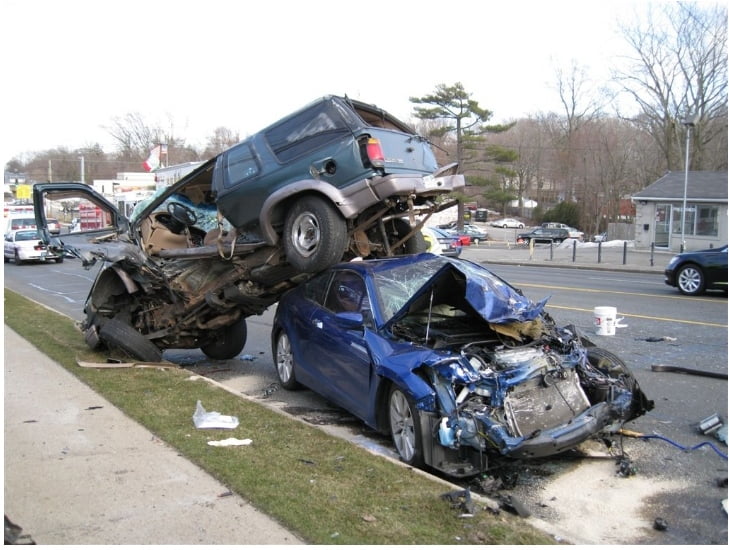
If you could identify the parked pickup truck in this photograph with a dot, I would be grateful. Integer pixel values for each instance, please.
(335, 180)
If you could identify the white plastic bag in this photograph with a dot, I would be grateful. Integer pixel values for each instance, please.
(205, 420)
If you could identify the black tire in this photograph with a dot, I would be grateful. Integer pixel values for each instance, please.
(607, 362)
(18, 261)
(59, 259)
(315, 235)
(414, 245)
(404, 421)
(6, 258)
(283, 360)
(690, 280)
(118, 334)
(227, 342)
(611, 365)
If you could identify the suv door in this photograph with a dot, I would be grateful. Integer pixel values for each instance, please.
(99, 225)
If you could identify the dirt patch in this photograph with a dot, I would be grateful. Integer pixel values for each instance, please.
(592, 505)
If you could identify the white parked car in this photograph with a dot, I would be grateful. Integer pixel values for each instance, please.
(575, 233)
(507, 222)
(25, 245)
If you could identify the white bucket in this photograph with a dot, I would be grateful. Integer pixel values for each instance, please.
(606, 321)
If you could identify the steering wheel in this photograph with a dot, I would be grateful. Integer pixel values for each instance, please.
(182, 213)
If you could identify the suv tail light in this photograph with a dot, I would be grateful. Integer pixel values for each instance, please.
(374, 153)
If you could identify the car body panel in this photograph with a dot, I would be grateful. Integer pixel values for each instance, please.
(487, 368)
(712, 262)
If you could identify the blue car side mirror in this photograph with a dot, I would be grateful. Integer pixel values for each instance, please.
(350, 319)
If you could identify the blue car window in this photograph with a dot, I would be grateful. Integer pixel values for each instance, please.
(316, 288)
(347, 293)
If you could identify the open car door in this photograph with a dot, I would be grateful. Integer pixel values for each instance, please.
(97, 231)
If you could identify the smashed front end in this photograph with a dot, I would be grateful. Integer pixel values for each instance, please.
(505, 378)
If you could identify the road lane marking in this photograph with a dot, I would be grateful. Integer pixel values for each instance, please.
(649, 317)
(54, 292)
(621, 292)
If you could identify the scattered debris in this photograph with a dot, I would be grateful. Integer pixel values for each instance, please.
(709, 424)
(684, 370)
(720, 434)
(460, 499)
(94, 407)
(660, 524)
(369, 518)
(230, 442)
(625, 467)
(213, 419)
(247, 357)
(307, 462)
(14, 534)
(513, 505)
(270, 389)
(658, 339)
(225, 494)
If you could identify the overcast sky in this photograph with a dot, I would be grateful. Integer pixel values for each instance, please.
(71, 66)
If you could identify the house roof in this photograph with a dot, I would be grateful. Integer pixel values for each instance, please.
(702, 186)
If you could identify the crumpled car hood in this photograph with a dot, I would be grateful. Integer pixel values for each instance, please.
(491, 297)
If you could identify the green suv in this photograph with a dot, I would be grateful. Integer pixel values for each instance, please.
(336, 180)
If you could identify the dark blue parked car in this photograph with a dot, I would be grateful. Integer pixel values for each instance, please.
(450, 360)
(695, 272)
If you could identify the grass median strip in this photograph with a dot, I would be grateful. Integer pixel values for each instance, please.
(325, 489)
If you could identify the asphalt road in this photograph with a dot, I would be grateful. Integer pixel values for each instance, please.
(579, 499)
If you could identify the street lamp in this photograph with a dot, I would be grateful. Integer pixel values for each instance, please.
(689, 122)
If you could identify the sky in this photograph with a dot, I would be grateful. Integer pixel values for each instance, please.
(71, 67)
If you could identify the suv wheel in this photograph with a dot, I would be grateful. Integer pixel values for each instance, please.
(118, 334)
(314, 236)
(414, 245)
(227, 342)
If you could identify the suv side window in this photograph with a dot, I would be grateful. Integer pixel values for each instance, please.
(305, 131)
(240, 165)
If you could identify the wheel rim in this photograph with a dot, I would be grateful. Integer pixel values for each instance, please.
(402, 425)
(305, 234)
(284, 358)
(689, 280)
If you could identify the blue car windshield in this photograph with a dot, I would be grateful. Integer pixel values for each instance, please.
(396, 286)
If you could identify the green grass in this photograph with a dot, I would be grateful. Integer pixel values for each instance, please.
(324, 489)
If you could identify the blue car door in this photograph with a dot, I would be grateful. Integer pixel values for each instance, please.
(336, 354)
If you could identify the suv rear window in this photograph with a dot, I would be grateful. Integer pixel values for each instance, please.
(306, 131)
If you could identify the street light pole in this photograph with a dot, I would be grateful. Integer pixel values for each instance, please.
(689, 123)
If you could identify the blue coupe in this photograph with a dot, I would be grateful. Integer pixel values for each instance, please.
(451, 360)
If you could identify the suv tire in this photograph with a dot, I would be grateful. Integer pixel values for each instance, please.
(227, 342)
(315, 235)
(116, 333)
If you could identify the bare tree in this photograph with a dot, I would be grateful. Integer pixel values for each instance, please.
(222, 138)
(679, 69)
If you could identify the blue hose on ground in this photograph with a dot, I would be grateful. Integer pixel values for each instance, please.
(643, 436)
